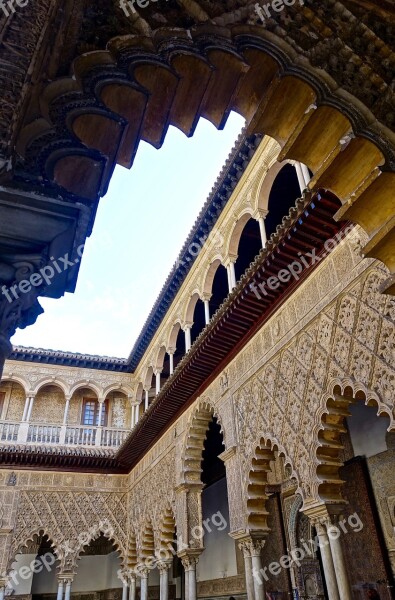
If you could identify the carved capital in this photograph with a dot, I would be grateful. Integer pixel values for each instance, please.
(164, 565)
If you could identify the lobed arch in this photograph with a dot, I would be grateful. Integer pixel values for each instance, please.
(139, 392)
(264, 454)
(326, 484)
(132, 551)
(147, 378)
(147, 546)
(194, 440)
(167, 530)
(34, 536)
(95, 532)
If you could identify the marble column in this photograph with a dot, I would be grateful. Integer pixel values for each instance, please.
(143, 583)
(206, 311)
(171, 360)
(146, 400)
(189, 562)
(256, 564)
(157, 381)
(164, 567)
(132, 588)
(299, 174)
(125, 590)
(2, 592)
(60, 590)
(327, 562)
(248, 571)
(338, 562)
(67, 593)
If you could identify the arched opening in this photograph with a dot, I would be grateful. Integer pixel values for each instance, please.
(355, 454)
(283, 195)
(98, 568)
(34, 571)
(199, 320)
(177, 342)
(250, 244)
(11, 413)
(47, 415)
(220, 287)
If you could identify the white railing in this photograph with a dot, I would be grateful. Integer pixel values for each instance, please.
(43, 434)
(112, 438)
(64, 435)
(80, 435)
(9, 432)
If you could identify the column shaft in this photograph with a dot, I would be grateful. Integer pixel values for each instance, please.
(60, 591)
(66, 411)
(164, 584)
(262, 229)
(248, 576)
(26, 409)
(132, 589)
(125, 591)
(68, 591)
(327, 563)
(207, 311)
(192, 583)
(171, 357)
(146, 400)
(338, 563)
(157, 381)
(144, 587)
(30, 409)
(259, 587)
(188, 342)
(300, 177)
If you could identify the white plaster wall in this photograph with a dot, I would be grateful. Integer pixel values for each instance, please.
(22, 585)
(366, 430)
(219, 555)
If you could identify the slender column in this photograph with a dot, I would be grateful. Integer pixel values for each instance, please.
(132, 417)
(26, 409)
(231, 275)
(30, 409)
(66, 411)
(190, 562)
(256, 563)
(188, 342)
(2, 592)
(338, 563)
(207, 311)
(164, 579)
(327, 562)
(306, 174)
(262, 229)
(171, 357)
(136, 413)
(100, 412)
(248, 571)
(125, 590)
(300, 176)
(144, 584)
(157, 381)
(67, 594)
(132, 588)
(146, 401)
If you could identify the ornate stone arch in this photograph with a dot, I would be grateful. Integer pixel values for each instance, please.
(326, 484)
(237, 230)
(147, 542)
(208, 278)
(17, 379)
(194, 438)
(87, 384)
(118, 387)
(260, 466)
(167, 530)
(25, 539)
(56, 381)
(191, 306)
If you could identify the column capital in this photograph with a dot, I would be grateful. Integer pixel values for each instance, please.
(164, 565)
(157, 370)
(206, 296)
(231, 258)
(251, 542)
(190, 558)
(66, 578)
(326, 514)
(260, 213)
(142, 571)
(171, 350)
(187, 325)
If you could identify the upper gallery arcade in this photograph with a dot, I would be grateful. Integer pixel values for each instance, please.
(254, 417)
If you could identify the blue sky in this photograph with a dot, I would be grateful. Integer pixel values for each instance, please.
(140, 228)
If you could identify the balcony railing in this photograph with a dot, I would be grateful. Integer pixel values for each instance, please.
(64, 435)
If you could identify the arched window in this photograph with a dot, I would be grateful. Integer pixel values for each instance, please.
(91, 411)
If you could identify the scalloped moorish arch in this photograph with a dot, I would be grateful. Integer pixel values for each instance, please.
(33, 536)
(326, 482)
(167, 530)
(194, 440)
(256, 497)
(138, 86)
(106, 532)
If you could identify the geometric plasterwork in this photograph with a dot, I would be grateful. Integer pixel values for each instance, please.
(350, 344)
